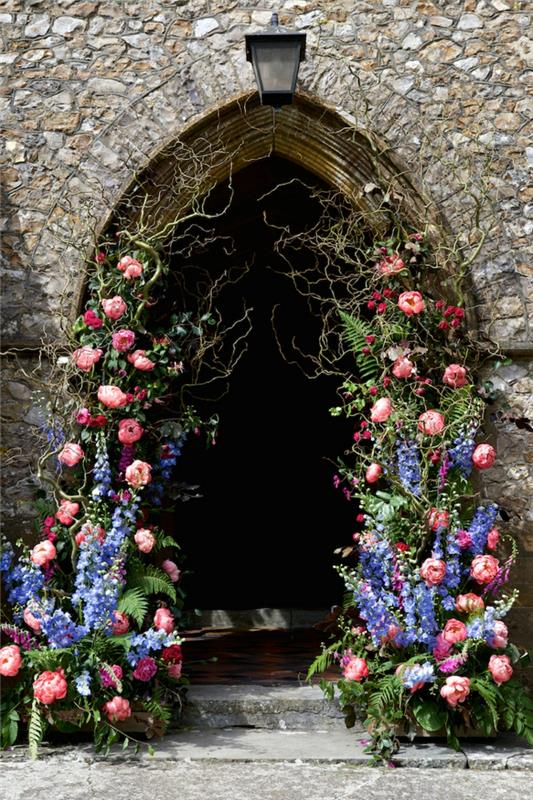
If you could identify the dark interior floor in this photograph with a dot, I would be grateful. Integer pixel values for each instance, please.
(252, 657)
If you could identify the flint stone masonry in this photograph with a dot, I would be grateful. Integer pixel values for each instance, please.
(93, 88)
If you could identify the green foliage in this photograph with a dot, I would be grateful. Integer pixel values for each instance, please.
(9, 726)
(36, 729)
(355, 330)
(384, 695)
(134, 603)
(152, 580)
(428, 714)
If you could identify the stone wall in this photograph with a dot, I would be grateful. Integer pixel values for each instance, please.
(93, 88)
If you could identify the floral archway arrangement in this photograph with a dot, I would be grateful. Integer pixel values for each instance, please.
(422, 644)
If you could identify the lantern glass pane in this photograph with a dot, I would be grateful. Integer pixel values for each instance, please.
(276, 65)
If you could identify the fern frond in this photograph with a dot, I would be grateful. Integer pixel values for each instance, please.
(167, 541)
(35, 729)
(355, 330)
(153, 581)
(134, 603)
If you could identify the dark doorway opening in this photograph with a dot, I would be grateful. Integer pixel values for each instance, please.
(264, 531)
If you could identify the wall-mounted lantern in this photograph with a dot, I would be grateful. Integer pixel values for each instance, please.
(275, 55)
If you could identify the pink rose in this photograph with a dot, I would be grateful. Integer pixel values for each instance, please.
(83, 417)
(501, 634)
(464, 539)
(112, 396)
(107, 680)
(469, 603)
(442, 648)
(145, 540)
(174, 670)
(123, 340)
(390, 265)
(86, 357)
(67, 511)
(381, 410)
(454, 631)
(456, 689)
(31, 621)
(145, 669)
(433, 571)
(355, 670)
(163, 620)
(115, 307)
(431, 422)
(411, 303)
(71, 454)
(118, 709)
(438, 518)
(139, 473)
(373, 473)
(484, 456)
(171, 569)
(50, 686)
(140, 360)
(130, 267)
(10, 660)
(129, 431)
(500, 668)
(403, 367)
(493, 538)
(120, 623)
(92, 320)
(454, 376)
(43, 553)
(484, 569)
(172, 653)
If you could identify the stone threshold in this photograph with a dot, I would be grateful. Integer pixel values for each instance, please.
(260, 618)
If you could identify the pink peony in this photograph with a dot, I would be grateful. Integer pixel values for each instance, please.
(403, 367)
(129, 431)
(390, 265)
(145, 669)
(67, 511)
(442, 648)
(469, 603)
(500, 668)
(373, 473)
(493, 538)
(484, 569)
(92, 320)
(484, 456)
(355, 670)
(501, 633)
(10, 660)
(43, 553)
(431, 422)
(118, 709)
(120, 624)
(454, 631)
(171, 569)
(130, 267)
(115, 307)
(455, 376)
(107, 680)
(140, 360)
(71, 454)
(139, 473)
(123, 340)
(86, 357)
(174, 670)
(50, 686)
(456, 689)
(163, 620)
(433, 571)
(411, 303)
(438, 518)
(381, 410)
(83, 417)
(88, 530)
(464, 539)
(112, 396)
(145, 540)
(31, 621)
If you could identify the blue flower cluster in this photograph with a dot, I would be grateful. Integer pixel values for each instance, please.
(374, 599)
(162, 470)
(425, 609)
(408, 465)
(83, 683)
(482, 522)
(142, 644)
(482, 626)
(60, 629)
(99, 572)
(102, 471)
(460, 455)
(416, 674)
(23, 582)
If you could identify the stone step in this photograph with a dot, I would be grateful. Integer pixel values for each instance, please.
(260, 618)
(256, 706)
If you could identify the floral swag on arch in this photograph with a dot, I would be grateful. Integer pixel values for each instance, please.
(95, 604)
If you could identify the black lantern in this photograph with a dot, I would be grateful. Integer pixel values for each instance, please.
(275, 55)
